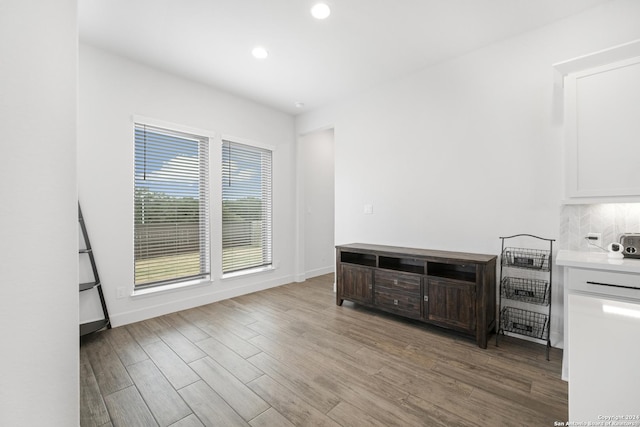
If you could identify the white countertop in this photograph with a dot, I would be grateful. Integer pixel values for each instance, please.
(597, 260)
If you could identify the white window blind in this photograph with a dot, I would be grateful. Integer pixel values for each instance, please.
(246, 207)
(171, 208)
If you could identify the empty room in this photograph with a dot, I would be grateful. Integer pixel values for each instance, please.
(299, 213)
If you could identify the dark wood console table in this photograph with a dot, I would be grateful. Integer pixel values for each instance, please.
(454, 290)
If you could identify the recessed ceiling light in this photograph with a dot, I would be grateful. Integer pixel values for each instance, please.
(259, 52)
(299, 104)
(320, 11)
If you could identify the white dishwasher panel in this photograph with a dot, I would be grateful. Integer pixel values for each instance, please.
(604, 379)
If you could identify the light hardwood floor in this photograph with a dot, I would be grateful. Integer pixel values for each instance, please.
(290, 356)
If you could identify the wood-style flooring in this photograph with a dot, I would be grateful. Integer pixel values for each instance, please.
(289, 356)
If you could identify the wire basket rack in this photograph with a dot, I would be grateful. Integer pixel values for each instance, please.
(533, 291)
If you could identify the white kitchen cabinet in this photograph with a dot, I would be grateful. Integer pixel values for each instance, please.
(601, 126)
(602, 326)
(604, 354)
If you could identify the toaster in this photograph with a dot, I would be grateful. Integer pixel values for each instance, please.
(631, 244)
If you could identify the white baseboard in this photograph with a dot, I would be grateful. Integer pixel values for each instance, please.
(320, 271)
(149, 312)
(557, 340)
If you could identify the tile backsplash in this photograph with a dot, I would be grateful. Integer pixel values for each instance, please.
(610, 219)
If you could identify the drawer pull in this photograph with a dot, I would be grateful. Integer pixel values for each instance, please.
(395, 281)
(613, 286)
(395, 302)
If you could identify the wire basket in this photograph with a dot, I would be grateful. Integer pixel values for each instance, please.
(533, 291)
(524, 322)
(533, 259)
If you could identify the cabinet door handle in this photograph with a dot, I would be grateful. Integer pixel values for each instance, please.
(370, 286)
(426, 298)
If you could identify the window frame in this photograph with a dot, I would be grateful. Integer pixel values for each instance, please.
(257, 146)
(208, 137)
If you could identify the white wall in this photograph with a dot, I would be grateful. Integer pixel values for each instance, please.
(456, 155)
(38, 212)
(112, 89)
(316, 176)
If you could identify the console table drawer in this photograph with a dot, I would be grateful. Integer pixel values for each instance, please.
(393, 280)
(406, 304)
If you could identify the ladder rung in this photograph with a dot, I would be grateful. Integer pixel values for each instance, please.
(90, 327)
(84, 251)
(88, 285)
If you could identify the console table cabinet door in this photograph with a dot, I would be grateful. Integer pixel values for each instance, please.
(452, 303)
(356, 283)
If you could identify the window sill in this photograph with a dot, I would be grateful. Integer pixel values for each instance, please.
(248, 272)
(170, 287)
(199, 282)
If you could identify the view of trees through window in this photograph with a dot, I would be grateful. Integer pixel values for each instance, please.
(246, 207)
(171, 229)
(163, 221)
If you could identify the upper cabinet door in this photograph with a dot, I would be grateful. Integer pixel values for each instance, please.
(602, 132)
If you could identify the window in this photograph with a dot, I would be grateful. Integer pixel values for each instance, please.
(171, 207)
(246, 207)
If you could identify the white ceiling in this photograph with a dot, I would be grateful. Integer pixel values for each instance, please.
(363, 43)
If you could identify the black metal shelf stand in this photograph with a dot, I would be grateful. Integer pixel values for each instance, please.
(105, 322)
(531, 291)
